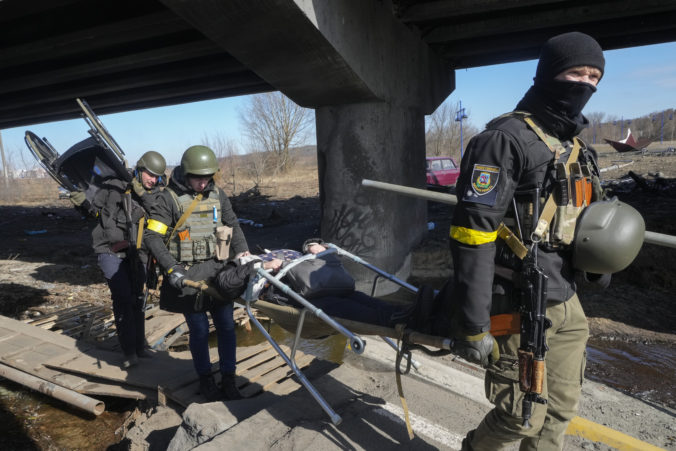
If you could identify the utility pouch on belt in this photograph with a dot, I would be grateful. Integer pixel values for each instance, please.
(223, 240)
(577, 184)
(561, 185)
(587, 175)
(185, 245)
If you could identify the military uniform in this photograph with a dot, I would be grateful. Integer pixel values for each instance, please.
(113, 240)
(511, 173)
(197, 250)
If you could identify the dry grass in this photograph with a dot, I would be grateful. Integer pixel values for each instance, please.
(301, 180)
(30, 191)
(649, 163)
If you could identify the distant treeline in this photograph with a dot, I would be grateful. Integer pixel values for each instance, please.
(657, 126)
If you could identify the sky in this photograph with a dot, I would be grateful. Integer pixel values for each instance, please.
(637, 81)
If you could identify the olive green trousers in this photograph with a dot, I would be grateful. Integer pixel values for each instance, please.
(564, 362)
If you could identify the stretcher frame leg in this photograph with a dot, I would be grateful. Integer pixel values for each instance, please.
(356, 343)
(291, 362)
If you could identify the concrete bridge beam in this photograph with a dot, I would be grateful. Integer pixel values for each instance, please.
(371, 80)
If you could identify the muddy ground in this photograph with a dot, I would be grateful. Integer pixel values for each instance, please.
(46, 264)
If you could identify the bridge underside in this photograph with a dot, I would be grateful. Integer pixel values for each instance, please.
(127, 54)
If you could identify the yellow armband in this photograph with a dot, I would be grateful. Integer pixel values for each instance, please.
(471, 236)
(157, 226)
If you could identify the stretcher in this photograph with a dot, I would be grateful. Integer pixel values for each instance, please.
(311, 322)
(308, 321)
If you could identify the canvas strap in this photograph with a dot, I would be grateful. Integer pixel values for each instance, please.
(556, 147)
(184, 217)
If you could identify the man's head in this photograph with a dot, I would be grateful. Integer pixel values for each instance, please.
(199, 164)
(570, 67)
(150, 167)
(573, 52)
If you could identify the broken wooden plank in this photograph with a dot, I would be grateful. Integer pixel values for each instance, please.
(163, 369)
(274, 377)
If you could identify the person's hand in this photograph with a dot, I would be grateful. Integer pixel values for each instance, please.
(312, 242)
(316, 248)
(137, 187)
(273, 264)
(77, 198)
(176, 276)
(480, 348)
(243, 254)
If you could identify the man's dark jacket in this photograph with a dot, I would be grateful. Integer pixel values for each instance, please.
(165, 210)
(524, 162)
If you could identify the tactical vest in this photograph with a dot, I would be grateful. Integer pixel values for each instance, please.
(571, 184)
(196, 239)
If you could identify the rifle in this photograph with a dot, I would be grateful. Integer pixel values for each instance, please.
(534, 323)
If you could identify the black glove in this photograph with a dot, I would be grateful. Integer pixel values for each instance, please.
(480, 348)
(176, 275)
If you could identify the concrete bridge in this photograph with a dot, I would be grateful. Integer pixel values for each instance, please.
(371, 69)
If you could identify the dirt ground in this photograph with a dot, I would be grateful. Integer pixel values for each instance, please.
(46, 262)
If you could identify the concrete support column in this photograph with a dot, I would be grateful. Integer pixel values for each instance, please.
(382, 142)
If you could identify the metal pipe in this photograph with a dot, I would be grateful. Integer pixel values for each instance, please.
(659, 239)
(66, 395)
(375, 269)
(443, 198)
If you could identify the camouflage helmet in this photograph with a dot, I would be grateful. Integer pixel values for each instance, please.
(152, 162)
(608, 236)
(199, 160)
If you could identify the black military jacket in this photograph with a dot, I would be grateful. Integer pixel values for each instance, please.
(505, 159)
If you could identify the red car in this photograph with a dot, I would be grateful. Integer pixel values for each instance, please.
(441, 171)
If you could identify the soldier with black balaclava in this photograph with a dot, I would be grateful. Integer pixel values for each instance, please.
(526, 184)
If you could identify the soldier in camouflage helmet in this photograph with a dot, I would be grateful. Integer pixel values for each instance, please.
(195, 219)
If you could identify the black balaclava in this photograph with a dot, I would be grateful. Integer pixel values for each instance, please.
(558, 104)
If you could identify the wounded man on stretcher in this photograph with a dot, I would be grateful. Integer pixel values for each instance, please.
(321, 280)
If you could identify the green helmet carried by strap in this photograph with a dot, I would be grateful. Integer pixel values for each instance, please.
(608, 236)
(199, 160)
(152, 162)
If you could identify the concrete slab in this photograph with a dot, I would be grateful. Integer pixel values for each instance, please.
(444, 402)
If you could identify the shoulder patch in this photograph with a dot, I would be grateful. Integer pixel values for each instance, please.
(483, 182)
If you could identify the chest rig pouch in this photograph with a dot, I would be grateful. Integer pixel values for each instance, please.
(571, 184)
(196, 239)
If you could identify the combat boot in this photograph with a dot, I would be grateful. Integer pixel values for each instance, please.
(208, 389)
(129, 361)
(229, 387)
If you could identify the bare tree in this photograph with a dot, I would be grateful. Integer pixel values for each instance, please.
(258, 165)
(442, 136)
(226, 150)
(5, 168)
(274, 124)
(593, 133)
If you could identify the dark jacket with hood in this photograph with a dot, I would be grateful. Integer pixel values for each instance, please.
(166, 211)
(113, 231)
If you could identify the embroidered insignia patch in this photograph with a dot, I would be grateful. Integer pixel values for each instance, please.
(484, 180)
